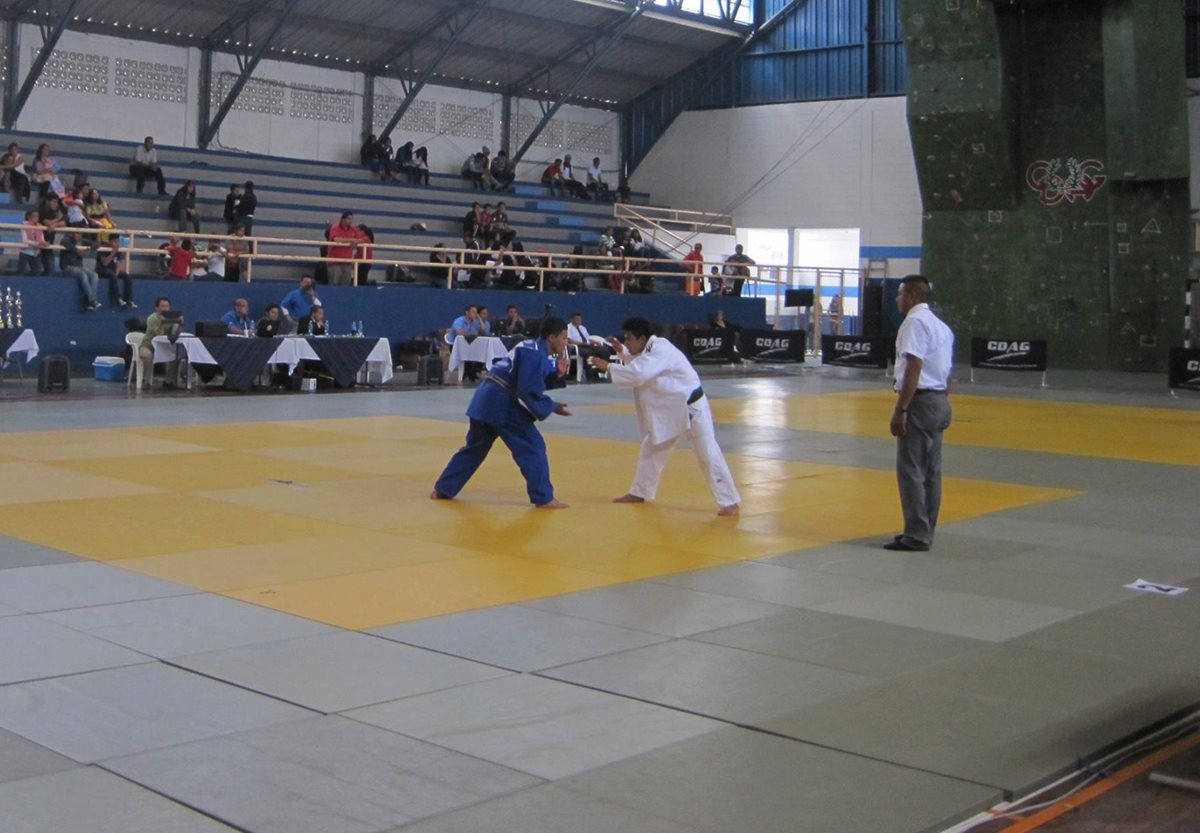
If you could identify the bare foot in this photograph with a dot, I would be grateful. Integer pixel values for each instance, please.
(629, 498)
(436, 495)
(726, 511)
(553, 504)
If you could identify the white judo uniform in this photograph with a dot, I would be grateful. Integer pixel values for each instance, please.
(663, 381)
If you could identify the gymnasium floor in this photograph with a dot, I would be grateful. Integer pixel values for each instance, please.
(244, 613)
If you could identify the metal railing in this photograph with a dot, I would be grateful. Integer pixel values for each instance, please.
(650, 221)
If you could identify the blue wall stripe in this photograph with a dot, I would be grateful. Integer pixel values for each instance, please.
(909, 252)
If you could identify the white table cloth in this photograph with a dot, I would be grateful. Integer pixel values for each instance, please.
(26, 343)
(291, 351)
(483, 349)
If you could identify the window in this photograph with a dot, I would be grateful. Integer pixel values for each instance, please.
(739, 11)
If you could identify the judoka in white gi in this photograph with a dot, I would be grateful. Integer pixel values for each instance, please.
(670, 404)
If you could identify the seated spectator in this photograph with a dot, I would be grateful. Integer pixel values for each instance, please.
(623, 191)
(574, 187)
(472, 169)
(313, 324)
(110, 266)
(50, 215)
(238, 319)
(14, 178)
(502, 231)
(526, 265)
(235, 247)
(45, 173)
(215, 261)
(572, 280)
(71, 260)
(466, 325)
(420, 169)
(485, 321)
(159, 323)
(183, 208)
(483, 224)
(578, 335)
(198, 270)
(270, 324)
(388, 157)
(145, 164)
(512, 324)
(405, 161)
(552, 178)
(233, 201)
(33, 243)
(472, 271)
(503, 170)
(180, 256)
(504, 269)
(470, 222)
(98, 214)
(73, 206)
(370, 156)
(441, 266)
(607, 243)
(300, 301)
(595, 181)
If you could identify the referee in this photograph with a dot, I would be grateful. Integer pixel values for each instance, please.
(924, 351)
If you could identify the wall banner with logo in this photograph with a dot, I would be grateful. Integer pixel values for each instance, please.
(1008, 354)
(708, 345)
(854, 351)
(773, 345)
(1184, 368)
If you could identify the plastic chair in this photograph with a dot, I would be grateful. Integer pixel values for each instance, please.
(580, 366)
(136, 370)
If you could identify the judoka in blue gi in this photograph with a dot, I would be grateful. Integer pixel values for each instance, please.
(508, 404)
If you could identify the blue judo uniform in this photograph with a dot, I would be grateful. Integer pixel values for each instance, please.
(507, 405)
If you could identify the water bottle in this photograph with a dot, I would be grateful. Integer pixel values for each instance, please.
(360, 328)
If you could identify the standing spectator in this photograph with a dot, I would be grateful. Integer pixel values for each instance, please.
(552, 178)
(33, 242)
(233, 201)
(180, 257)
(420, 174)
(216, 256)
(693, 264)
(183, 208)
(45, 173)
(924, 355)
(238, 319)
(120, 283)
(573, 186)
(297, 303)
(50, 215)
(71, 260)
(737, 265)
(503, 171)
(237, 246)
(12, 164)
(145, 163)
(368, 254)
(345, 240)
(247, 207)
(595, 180)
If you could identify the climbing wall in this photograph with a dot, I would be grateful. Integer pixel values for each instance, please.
(1051, 146)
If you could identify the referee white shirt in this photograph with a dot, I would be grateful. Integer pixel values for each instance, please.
(577, 335)
(924, 336)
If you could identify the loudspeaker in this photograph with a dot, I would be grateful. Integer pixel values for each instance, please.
(54, 374)
(798, 298)
(429, 370)
(872, 309)
(211, 329)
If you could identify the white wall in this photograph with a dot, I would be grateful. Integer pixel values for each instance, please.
(289, 110)
(834, 164)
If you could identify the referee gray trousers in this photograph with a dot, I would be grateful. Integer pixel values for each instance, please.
(919, 464)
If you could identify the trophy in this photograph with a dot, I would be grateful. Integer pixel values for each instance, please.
(20, 305)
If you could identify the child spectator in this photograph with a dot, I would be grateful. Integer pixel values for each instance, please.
(180, 259)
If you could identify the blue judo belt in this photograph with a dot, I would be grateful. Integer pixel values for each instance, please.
(695, 396)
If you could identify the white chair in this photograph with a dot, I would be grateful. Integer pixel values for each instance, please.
(580, 367)
(136, 370)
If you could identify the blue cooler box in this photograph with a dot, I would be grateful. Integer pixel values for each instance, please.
(109, 368)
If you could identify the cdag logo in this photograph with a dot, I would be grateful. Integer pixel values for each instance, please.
(1055, 181)
(1193, 366)
(852, 346)
(1008, 346)
(772, 343)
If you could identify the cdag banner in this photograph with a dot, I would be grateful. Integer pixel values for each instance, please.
(854, 351)
(1183, 368)
(998, 354)
(773, 345)
(708, 345)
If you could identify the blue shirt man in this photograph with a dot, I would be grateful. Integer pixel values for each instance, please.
(468, 324)
(238, 319)
(508, 405)
(299, 302)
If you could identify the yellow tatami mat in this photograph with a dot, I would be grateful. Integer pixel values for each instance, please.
(330, 519)
(1151, 435)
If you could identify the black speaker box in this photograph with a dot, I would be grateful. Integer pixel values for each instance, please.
(54, 374)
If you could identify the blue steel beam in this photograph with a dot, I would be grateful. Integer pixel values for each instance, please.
(459, 25)
(601, 49)
(210, 131)
(17, 104)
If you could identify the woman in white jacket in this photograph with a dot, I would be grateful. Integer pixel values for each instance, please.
(670, 403)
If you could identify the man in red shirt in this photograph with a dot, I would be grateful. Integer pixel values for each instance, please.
(693, 263)
(181, 256)
(345, 238)
(552, 178)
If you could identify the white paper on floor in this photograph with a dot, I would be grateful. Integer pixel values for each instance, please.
(1155, 587)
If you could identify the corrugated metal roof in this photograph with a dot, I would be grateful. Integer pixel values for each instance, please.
(509, 42)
